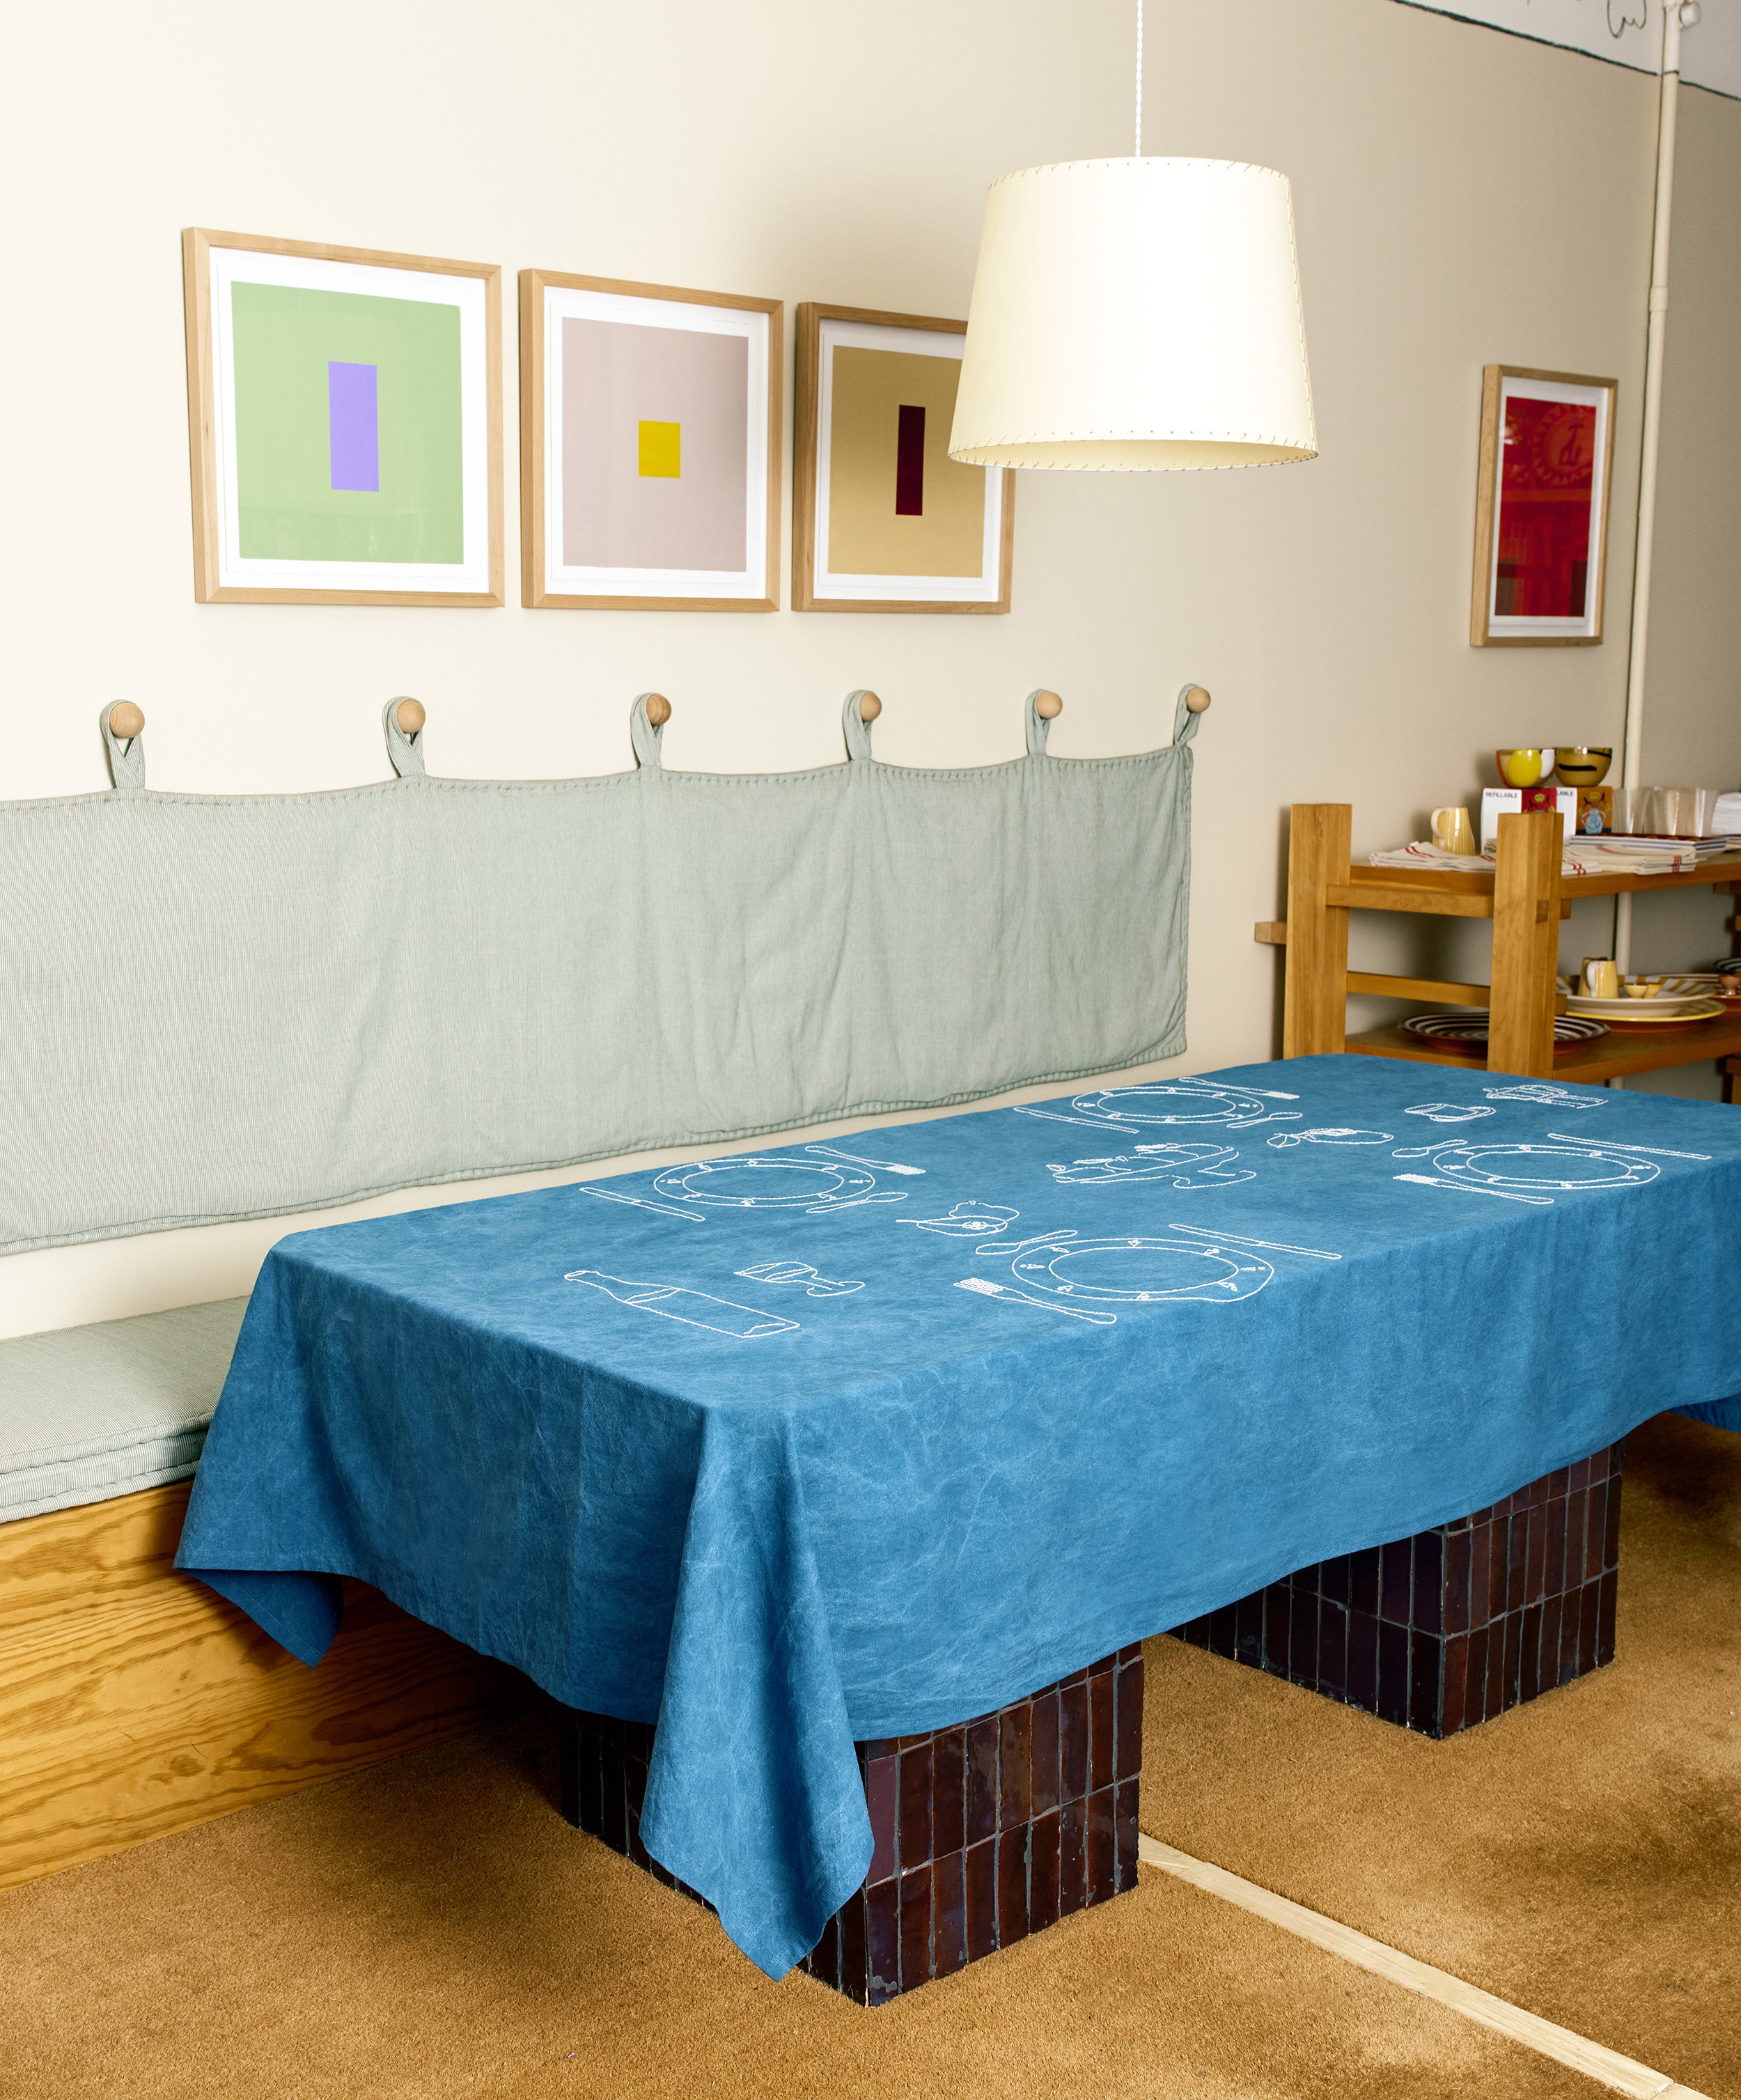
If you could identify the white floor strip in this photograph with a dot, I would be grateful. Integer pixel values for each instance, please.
(1637, 2080)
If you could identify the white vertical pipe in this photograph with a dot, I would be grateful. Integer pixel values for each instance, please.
(1676, 13)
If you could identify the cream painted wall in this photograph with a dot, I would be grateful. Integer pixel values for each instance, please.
(1462, 196)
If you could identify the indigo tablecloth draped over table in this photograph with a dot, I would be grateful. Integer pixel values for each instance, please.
(823, 1443)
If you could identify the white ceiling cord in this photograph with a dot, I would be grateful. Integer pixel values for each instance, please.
(1139, 79)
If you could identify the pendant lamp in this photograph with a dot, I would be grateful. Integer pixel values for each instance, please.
(1140, 313)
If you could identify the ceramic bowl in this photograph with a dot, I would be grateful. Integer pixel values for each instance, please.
(1583, 765)
(1524, 767)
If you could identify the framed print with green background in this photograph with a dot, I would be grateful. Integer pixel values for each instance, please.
(649, 446)
(344, 414)
(1541, 508)
(885, 520)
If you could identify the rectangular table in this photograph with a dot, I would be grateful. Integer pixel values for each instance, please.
(824, 1443)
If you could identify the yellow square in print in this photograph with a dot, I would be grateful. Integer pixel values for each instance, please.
(661, 451)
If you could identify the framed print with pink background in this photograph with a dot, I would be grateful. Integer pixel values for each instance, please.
(1541, 508)
(649, 446)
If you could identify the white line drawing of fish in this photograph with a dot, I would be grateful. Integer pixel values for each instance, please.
(1553, 1097)
(798, 1271)
(1190, 1166)
(966, 1221)
(1448, 1111)
(987, 1289)
(1470, 1188)
(694, 1308)
(858, 1159)
(1332, 1135)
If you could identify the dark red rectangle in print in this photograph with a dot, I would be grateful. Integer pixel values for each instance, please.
(910, 463)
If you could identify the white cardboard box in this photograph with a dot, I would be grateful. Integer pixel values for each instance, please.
(1497, 802)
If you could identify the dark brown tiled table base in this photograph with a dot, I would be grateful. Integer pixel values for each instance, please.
(1453, 1625)
(984, 1833)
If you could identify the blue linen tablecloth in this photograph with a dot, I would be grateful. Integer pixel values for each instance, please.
(835, 1441)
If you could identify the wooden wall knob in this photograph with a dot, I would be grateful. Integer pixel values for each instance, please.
(1048, 707)
(410, 717)
(1197, 698)
(658, 710)
(870, 706)
(125, 720)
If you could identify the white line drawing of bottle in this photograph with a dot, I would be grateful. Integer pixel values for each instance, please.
(1188, 1166)
(798, 1271)
(1448, 1111)
(694, 1308)
(966, 1221)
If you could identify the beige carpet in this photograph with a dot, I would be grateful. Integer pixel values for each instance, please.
(432, 1929)
(1581, 1855)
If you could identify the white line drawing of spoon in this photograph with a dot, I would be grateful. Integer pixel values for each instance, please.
(987, 1289)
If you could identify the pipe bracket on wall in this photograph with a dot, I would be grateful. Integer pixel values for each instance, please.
(123, 726)
(401, 723)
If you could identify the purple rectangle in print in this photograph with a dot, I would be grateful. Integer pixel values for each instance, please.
(353, 435)
(910, 462)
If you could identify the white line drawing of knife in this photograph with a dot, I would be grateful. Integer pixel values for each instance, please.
(640, 1202)
(858, 1159)
(1470, 1188)
(1234, 1239)
(987, 1289)
(1620, 1145)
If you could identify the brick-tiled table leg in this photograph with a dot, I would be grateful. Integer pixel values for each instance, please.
(983, 1832)
(1452, 1627)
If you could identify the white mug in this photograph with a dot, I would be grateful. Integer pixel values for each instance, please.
(1452, 830)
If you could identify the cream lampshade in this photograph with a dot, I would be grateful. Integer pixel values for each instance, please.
(1139, 313)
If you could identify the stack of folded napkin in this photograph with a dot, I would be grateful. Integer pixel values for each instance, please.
(1584, 855)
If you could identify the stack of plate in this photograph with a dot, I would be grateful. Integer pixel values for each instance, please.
(1459, 1032)
(1681, 1002)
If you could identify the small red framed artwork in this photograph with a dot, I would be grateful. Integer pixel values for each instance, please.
(1541, 508)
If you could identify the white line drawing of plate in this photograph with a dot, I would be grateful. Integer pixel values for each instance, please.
(1551, 1096)
(1186, 1166)
(1134, 1269)
(1284, 1138)
(757, 1182)
(966, 1221)
(798, 1271)
(1179, 1101)
(1468, 1164)
(694, 1308)
(1448, 1111)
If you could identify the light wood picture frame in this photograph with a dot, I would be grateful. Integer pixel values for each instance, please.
(344, 419)
(1546, 465)
(650, 437)
(882, 520)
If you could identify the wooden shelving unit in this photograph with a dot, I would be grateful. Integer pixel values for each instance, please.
(1525, 897)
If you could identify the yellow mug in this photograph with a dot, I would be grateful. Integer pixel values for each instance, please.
(1602, 977)
(1452, 831)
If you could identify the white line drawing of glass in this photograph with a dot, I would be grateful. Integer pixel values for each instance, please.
(1133, 1269)
(1550, 1096)
(987, 1289)
(1466, 1163)
(757, 1182)
(640, 1202)
(1472, 1188)
(857, 1159)
(1188, 1166)
(1332, 1135)
(798, 1271)
(1448, 1112)
(1620, 1145)
(694, 1308)
(1269, 1246)
(966, 1221)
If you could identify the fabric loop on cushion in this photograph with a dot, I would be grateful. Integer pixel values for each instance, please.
(857, 728)
(405, 752)
(126, 755)
(647, 736)
(1038, 728)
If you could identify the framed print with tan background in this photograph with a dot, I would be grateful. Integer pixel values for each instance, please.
(1541, 508)
(649, 446)
(885, 520)
(344, 411)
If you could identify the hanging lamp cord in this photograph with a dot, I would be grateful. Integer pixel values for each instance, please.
(1139, 79)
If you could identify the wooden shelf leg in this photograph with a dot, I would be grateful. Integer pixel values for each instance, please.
(1525, 942)
(1314, 999)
